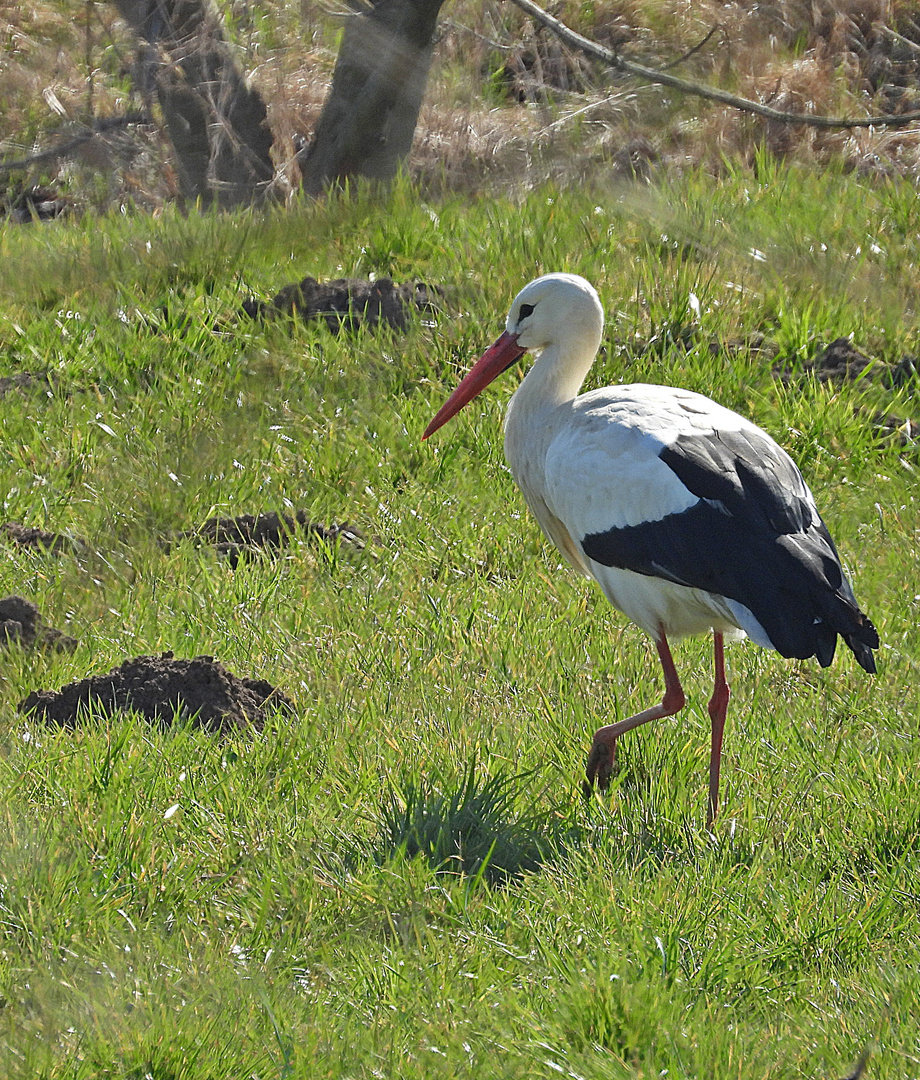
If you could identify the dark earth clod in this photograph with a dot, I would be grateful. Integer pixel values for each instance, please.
(21, 624)
(35, 203)
(903, 431)
(160, 689)
(247, 535)
(347, 303)
(27, 536)
(26, 380)
(840, 361)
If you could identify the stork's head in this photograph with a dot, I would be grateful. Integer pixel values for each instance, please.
(561, 310)
(556, 308)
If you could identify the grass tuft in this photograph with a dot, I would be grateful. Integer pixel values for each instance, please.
(473, 830)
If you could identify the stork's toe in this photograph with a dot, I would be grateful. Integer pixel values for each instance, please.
(599, 767)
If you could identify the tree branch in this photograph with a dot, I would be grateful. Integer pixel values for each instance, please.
(67, 146)
(710, 93)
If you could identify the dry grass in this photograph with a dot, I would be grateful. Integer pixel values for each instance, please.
(507, 102)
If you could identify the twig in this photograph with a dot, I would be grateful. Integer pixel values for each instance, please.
(453, 24)
(656, 75)
(586, 108)
(696, 48)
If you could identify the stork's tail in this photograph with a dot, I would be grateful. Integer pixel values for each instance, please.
(842, 616)
(862, 642)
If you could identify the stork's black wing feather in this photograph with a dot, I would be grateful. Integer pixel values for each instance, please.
(754, 536)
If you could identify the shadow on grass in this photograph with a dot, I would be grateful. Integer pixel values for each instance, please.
(478, 830)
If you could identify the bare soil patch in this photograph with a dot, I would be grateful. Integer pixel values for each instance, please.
(347, 303)
(162, 689)
(840, 361)
(903, 431)
(249, 535)
(26, 380)
(27, 536)
(21, 623)
(35, 203)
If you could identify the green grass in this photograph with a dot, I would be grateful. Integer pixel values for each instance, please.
(401, 881)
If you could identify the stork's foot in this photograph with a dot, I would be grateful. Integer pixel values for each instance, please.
(603, 747)
(599, 767)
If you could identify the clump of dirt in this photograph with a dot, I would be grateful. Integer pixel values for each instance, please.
(248, 535)
(840, 361)
(902, 431)
(347, 303)
(36, 203)
(27, 536)
(160, 689)
(906, 372)
(21, 623)
(634, 159)
(26, 380)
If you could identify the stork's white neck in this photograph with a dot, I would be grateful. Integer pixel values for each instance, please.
(556, 376)
(538, 405)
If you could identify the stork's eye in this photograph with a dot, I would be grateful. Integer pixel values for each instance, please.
(526, 310)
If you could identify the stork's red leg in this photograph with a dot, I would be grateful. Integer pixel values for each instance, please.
(600, 759)
(718, 707)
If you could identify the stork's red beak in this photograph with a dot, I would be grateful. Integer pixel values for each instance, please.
(489, 366)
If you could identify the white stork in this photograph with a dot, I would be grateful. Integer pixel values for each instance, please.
(688, 516)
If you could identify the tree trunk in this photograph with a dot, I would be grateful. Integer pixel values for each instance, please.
(368, 120)
(216, 122)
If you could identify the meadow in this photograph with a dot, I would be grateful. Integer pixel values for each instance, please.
(401, 879)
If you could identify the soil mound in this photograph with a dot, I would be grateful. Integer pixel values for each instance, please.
(26, 380)
(35, 203)
(347, 303)
(903, 431)
(21, 622)
(840, 361)
(161, 688)
(26, 536)
(906, 372)
(243, 537)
